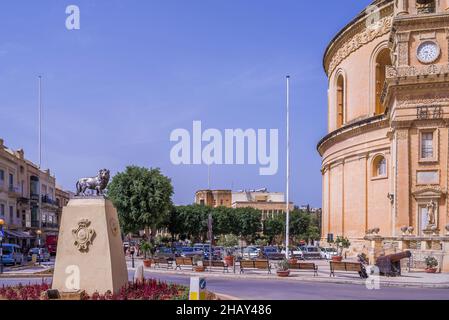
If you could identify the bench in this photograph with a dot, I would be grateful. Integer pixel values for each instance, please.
(348, 267)
(304, 266)
(255, 264)
(163, 261)
(181, 262)
(217, 264)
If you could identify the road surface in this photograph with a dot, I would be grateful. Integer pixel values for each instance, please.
(289, 290)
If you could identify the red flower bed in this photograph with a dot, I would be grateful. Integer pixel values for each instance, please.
(21, 292)
(149, 290)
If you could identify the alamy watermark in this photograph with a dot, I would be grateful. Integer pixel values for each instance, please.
(73, 21)
(212, 147)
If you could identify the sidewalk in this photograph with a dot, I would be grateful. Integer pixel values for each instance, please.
(27, 272)
(411, 280)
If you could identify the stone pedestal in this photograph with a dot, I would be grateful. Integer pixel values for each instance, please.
(90, 253)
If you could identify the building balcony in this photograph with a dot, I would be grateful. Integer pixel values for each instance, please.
(50, 225)
(14, 191)
(34, 197)
(35, 224)
(49, 201)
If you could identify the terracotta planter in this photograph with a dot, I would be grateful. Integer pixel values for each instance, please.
(229, 261)
(337, 258)
(431, 270)
(283, 274)
(200, 269)
(147, 263)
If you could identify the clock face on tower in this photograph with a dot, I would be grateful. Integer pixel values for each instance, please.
(428, 52)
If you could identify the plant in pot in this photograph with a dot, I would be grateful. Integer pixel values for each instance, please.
(431, 264)
(341, 243)
(148, 252)
(283, 268)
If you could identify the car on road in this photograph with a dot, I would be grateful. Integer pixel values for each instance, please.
(12, 254)
(42, 254)
(328, 253)
(311, 253)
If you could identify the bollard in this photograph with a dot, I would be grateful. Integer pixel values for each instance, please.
(197, 288)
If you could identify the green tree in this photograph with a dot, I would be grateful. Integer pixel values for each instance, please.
(193, 221)
(274, 227)
(249, 222)
(142, 197)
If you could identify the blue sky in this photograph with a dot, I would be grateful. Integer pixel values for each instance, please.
(138, 69)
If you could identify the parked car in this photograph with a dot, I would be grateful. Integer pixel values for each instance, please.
(272, 253)
(41, 253)
(310, 252)
(251, 252)
(295, 253)
(12, 254)
(165, 252)
(328, 253)
(188, 252)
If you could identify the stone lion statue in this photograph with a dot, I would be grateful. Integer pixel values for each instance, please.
(98, 183)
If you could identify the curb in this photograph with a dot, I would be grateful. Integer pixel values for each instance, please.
(25, 276)
(226, 297)
(383, 283)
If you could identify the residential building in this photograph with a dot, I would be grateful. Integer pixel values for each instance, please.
(269, 203)
(27, 198)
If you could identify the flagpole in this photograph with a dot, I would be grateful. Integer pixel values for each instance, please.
(40, 123)
(287, 218)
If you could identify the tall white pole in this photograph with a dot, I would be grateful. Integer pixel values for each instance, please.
(208, 176)
(40, 123)
(287, 218)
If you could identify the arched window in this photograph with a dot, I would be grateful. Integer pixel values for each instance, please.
(340, 101)
(425, 6)
(379, 167)
(383, 60)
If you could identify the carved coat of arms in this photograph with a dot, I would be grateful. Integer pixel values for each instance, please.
(83, 235)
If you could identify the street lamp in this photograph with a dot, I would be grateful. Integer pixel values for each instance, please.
(2, 222)
(39, 232)
(132, 251)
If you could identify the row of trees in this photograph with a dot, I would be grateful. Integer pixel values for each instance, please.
(143, 201)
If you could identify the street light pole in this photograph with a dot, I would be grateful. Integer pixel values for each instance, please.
(39, 232)
(2, 222)
(287, 218)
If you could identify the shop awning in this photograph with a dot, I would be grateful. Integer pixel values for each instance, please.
(17, 234)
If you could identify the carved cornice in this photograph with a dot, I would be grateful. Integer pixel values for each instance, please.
(355, 35)
(426, 192)
(412, 71)
(425, 22)
(352, 130)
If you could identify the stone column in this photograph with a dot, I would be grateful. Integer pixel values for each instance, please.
(375, 249)
(402, 7)
(445, 264)
(402, 213)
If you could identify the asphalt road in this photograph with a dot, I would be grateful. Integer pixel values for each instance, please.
(287, 290)
(294, 290)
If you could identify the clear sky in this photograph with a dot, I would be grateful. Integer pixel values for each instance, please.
(138, 69)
